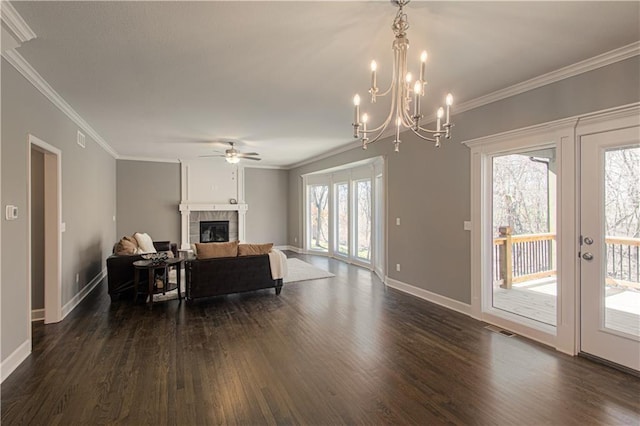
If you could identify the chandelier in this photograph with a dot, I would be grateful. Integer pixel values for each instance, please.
(404, 92)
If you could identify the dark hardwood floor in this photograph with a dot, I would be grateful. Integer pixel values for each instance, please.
(330, 351)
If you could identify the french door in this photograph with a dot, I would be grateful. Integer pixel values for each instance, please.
(610, 245)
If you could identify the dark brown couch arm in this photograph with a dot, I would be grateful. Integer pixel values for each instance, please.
(121, 272)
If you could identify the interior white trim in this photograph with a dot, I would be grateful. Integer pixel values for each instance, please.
(37, 315)
(607, 58)
(75, 300)
(150, 159)
(331, 153)
(15, 359)
(291, 248)
(438, 299)
(15, 23)
(52, 290)
(24, 68)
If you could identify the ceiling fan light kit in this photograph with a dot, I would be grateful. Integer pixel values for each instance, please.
(403, 93)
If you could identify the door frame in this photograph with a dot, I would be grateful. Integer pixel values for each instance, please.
(52, 230)
(566, 133)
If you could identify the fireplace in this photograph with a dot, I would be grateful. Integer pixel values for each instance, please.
(214, 231)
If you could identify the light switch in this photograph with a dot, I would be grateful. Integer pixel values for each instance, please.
(467, 225)
(11, 212)
(63, 227)
(397, 221)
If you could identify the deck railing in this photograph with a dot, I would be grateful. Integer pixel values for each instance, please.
(519, 258)
(623, 261)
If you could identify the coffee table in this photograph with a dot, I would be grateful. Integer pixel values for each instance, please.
(151, 268)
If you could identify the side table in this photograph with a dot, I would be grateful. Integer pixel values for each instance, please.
(151, 268)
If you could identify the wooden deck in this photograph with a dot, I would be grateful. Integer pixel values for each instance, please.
(536, 299)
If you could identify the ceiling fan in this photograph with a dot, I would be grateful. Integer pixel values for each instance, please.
(233, 156)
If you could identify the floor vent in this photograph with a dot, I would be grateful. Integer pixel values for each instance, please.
(500, 330)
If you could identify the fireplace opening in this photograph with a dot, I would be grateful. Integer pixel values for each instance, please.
(215, 231)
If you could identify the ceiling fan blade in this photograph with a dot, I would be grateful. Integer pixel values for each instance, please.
(216, 155)
(251, 158)
(244, 154)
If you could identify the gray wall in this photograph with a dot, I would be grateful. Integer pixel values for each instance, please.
(266, 193)
(148, 196)
(37, 229)
(88, 201)
(429, 188)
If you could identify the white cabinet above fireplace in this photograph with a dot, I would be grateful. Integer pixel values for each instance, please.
(209, 185)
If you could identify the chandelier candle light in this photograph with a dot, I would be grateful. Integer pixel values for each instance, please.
(403, 93)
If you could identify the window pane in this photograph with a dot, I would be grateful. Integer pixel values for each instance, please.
(363, 219)
(621, 286)
(342, 222)
(319, 217)
(524, 240)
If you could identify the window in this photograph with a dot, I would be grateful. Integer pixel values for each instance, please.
(318, 199)
(341, 192)
(362, 225)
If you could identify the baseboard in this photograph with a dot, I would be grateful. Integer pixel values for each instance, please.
(15, 359)
(454, 305)
(291, 248)
(37, 315)
(75, 301)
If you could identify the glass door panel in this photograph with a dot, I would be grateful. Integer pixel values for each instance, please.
(363, 219)
(524, 239)
(318, 199)
(341, 192)
(621, 287)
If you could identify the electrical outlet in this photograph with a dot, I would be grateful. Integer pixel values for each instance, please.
(397, 267)
(295, 239)
(77, 278)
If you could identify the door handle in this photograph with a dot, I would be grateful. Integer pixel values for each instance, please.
(587, 256)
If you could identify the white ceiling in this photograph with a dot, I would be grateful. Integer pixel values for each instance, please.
(164, 79)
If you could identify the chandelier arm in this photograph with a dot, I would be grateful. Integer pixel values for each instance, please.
(386, 122)
(421, 136)
(422, 129)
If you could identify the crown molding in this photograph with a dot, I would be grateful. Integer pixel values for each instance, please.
(339, 150)
(266, 167)
(15, 23)
(28, 72)
(607, 58)
(591, 117)
(149, 159)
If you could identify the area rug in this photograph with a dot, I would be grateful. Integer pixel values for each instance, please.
(302, 271)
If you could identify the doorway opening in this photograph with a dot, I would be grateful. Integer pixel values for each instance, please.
(45, 240)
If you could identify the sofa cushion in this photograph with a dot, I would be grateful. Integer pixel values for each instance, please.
(254, 249)
(145, 243)
(125, 247)
(214, 250)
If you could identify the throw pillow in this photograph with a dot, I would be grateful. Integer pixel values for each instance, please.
(145, 243)
(125, 247)
(254, 249)
(214, 250)
(133, 241)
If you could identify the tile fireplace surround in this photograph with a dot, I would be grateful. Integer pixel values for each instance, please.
(192, 214)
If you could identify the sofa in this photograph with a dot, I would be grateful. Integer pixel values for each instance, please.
(120, 269)
(233, 268)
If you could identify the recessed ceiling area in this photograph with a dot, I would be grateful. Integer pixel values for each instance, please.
(166, 80)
